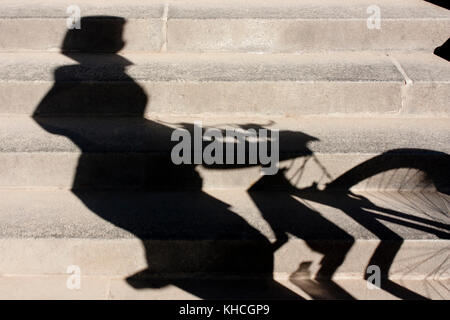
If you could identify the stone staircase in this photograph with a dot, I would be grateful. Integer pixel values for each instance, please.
(93, 206)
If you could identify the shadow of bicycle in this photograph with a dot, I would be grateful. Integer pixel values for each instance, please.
(100, 108)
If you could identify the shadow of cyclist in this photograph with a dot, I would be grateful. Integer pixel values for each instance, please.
(101, 109)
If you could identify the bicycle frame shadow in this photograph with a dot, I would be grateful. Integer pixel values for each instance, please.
(338, 194)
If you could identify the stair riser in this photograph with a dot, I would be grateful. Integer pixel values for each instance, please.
(181, 258)
(239, 98)
(156, 172)
(227, 98)
(35, 34)
(253, 35)
(239, 35)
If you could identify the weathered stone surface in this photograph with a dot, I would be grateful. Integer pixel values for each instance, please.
(136, 152)
(428, 90)
(250, 35)
(194, 84)
(254, 26)
(192, 236)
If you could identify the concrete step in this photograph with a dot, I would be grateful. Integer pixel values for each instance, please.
(215, 25)
(237, 84)
(90, 152)
(105, 288)
(311, 241)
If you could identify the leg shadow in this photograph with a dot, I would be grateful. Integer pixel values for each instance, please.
(287, 215)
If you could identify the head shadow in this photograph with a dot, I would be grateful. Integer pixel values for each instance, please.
(97, 84)
(97, 34)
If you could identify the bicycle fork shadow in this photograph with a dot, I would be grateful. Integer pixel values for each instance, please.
(296, 217)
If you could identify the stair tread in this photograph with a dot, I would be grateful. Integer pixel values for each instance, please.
(307, 67)
(318, 66)
(198, 67)
(214, 9)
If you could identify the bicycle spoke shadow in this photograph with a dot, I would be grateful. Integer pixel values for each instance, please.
(337, 194)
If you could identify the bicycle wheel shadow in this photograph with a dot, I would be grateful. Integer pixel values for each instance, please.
(436, 169)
